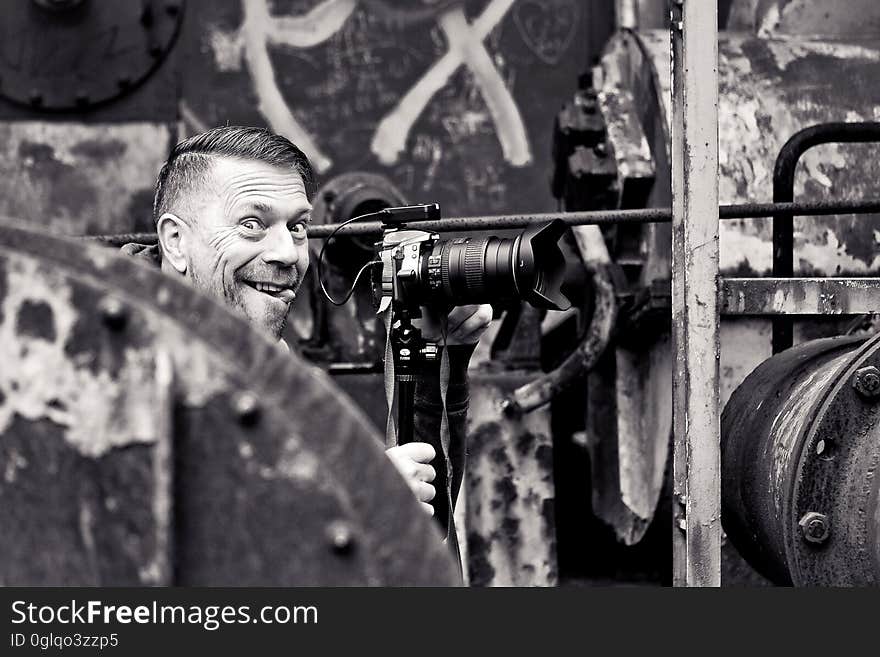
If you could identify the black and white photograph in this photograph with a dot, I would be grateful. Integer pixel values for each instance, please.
(557, 294)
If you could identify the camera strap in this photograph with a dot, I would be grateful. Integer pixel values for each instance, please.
(390, 425)
(445, 435)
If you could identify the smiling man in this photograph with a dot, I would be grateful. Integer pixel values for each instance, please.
(232, 208)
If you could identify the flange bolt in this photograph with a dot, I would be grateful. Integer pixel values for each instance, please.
(867, 382)
(815, 527)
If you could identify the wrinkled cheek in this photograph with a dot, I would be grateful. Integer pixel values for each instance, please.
(228, 265)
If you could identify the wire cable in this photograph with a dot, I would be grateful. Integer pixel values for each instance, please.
(321, 260)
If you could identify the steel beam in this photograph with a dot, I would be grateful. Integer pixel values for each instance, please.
(697, 455)
(799, 296)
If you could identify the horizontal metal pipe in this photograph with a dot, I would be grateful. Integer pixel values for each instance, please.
(598, 217)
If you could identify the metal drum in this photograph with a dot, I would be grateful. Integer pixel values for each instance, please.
(800, 450)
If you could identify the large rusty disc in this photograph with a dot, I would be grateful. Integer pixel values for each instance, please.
(150, 436)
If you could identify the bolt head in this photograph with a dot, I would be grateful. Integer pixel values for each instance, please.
(511, 409)
(113, 313)
(246, 407)
(815, 527)
(867, 381)
(340, 537)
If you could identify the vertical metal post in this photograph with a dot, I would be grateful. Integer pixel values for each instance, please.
(627, 12)
(697, 450)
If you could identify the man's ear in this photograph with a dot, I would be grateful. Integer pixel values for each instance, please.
(172, 238)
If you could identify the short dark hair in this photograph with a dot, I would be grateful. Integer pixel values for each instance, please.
(190, 160)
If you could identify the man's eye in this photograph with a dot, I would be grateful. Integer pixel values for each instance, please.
(251, 224)
(298, 230)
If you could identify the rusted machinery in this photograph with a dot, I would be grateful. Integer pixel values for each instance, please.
(150, 437)
(801, 449)
(612, 151)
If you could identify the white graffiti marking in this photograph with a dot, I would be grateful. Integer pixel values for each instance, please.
(310, 29)
(465, 48)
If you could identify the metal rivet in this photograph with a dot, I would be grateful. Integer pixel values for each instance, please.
(247, 408)
(511, 409)
(114, 313)
(866, 381)
(815, 527)
(340, 537)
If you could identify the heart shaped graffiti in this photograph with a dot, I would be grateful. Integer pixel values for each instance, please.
(547, 28)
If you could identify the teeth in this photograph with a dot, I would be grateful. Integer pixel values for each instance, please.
(267, 287)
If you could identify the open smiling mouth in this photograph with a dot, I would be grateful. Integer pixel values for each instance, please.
(283, 293)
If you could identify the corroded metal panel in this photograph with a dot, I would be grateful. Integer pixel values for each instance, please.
(853, 18)
(511, 530)
(73, 179)
(143, 425)
(770, 89)
(800, 296)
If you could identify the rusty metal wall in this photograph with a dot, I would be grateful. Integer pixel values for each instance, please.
(88, 112)
(769, 89)
(509, 489)
(853, 18)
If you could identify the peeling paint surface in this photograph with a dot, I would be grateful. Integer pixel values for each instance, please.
(768, 90)
(773, 17)
(80, 179)
(39, 379)
(511, 529)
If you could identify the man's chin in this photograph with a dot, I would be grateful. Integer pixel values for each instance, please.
(268, 315)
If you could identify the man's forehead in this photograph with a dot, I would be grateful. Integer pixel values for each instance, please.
(235, 176)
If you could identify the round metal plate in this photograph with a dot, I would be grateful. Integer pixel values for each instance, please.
(80, 54)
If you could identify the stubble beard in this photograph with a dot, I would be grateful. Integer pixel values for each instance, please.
(233, 296)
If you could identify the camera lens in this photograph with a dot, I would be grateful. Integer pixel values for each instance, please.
(493, 269)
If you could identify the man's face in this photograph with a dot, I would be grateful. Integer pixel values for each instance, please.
(248, 244)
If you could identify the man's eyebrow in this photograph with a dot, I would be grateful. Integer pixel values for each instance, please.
(266, 209)
(256, 206)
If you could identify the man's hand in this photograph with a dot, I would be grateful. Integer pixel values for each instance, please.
(412, 461)
(464, 324)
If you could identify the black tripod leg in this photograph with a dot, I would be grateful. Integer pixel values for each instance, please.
(406, 390)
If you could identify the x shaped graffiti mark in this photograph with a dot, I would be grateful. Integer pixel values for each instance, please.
(465, 48)
(257, 30)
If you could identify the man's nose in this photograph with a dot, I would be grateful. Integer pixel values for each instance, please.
(280, 249)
